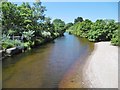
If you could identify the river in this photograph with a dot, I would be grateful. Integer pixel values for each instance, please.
(45, 66)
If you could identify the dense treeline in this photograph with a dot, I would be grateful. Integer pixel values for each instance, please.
(26, 25)
(101, 30)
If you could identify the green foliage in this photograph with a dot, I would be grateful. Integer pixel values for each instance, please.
(7, 44)
(101, 30)
(18, 43)
(97, 32)
(56, 34)
(39, 41)
(59, 26)
(115, 38)
(28, 35)
(48, 26)
(8, 19)
(68, 25)
(81, 28)
(28, 21)
(26, 44)
(78, 19)
(46, 34)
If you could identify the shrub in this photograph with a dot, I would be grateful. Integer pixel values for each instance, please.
(46, 34)
(7, 44)
(101, 30)
(115, 38)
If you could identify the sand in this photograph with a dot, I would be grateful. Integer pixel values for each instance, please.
(101, 69)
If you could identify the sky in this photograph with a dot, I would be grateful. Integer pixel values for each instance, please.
(68, 11)
(67, 0)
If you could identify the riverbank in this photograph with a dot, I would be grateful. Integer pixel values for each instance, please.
(20, 49)
(101, 69)
(45, 66)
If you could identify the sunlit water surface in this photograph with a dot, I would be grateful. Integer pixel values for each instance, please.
(44, 67)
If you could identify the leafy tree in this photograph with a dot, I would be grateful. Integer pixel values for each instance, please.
(38, 16)
(29, 23)
(115, 38)
(78, 19)
(81, 28)
(101, 30)
(59, 26)
(97, 32)
(25, 21)
(38, 12)
(68, 25)
(8, 18)
(48, 24)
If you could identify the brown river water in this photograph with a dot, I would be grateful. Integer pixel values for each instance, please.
(47, 65)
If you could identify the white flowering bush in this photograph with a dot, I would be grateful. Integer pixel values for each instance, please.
(56, 34)
(46, 34)
(28, 35)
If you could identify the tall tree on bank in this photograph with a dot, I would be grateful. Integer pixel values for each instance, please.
(59, 26)
(9, 17)
(38, 15)
(78, 19)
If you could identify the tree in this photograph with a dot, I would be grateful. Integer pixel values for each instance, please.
(48, 25)
(9, 17)
(29, 23)
(38, 15)
(68, 25)
(82, 28)
(25, 23)
(38, 12)
(101, 30)
(78, 19)
(59, 26)
(115, 38)
(97, 32)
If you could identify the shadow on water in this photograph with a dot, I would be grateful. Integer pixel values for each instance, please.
(45, 66)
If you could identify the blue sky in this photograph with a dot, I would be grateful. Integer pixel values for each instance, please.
(68, 11)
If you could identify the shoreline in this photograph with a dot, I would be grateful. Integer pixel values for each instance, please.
(73, 78)
(101, 69)
(18, 50)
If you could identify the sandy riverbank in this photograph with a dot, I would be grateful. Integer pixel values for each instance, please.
(101, 70)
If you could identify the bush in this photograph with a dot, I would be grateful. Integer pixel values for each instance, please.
(56, 34)
(39, 41)
(101, 30)
(46, 34)
(18, 43)
(7, 44)
(115, 38)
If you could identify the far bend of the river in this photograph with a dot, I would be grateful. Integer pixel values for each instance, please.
(45, 66)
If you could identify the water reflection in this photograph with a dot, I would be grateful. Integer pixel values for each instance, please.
(44, 67)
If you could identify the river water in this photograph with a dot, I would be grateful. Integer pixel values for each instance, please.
(45, 66)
